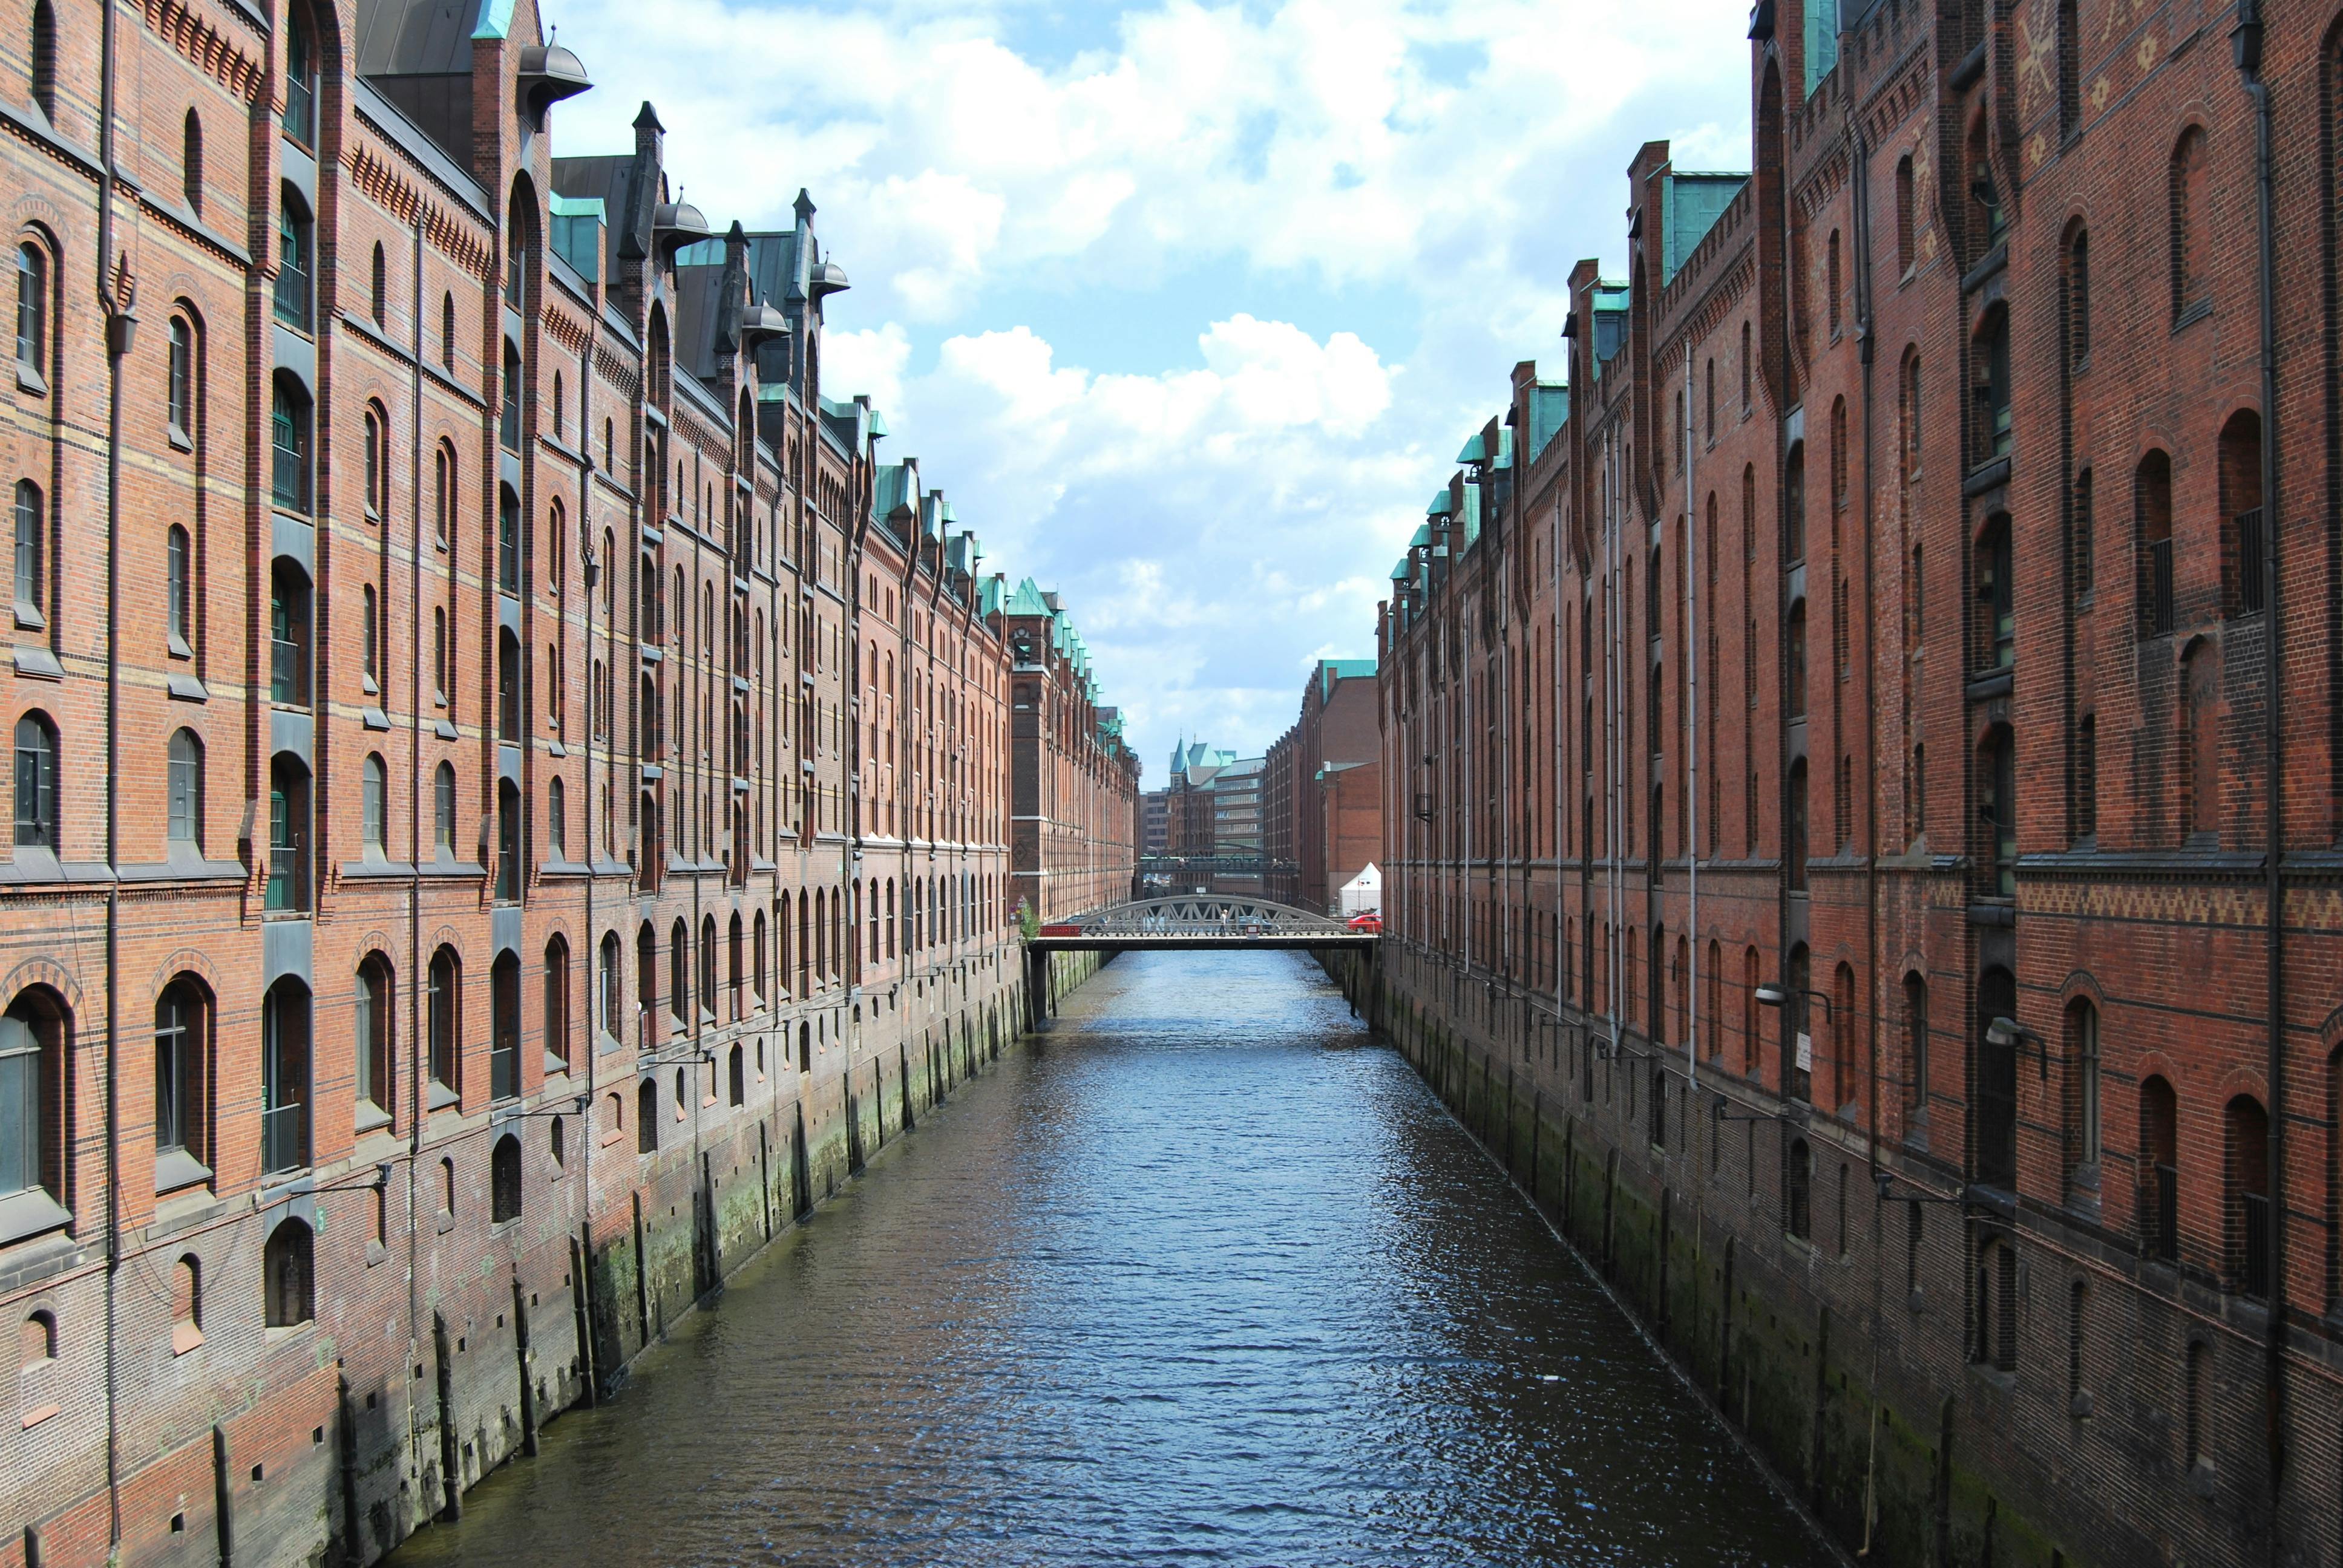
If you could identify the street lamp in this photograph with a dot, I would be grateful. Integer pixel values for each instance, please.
(1780, 995)
(2009, 1034)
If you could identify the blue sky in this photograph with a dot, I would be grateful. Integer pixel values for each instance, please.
(1187, 308)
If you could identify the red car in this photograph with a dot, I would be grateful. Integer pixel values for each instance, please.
(1368, 920)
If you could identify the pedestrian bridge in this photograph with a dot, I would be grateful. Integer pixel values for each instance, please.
(1198, 921)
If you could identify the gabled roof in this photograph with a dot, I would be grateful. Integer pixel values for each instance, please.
(1028, 601)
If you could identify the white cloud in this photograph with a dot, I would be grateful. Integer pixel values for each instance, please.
(1216, 518)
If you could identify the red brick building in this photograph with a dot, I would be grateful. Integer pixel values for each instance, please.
(1880, 626)
(510, 793)
(1074, 810)
(1322, 807)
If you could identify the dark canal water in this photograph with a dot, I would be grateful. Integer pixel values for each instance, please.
(1202, 1277)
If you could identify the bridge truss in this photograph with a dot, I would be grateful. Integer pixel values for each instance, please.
(1224, 920)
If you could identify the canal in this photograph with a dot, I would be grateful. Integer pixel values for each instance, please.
(1202, 1276)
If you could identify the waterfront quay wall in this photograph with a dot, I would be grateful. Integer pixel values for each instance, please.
(1845, 1359)
(438, 1359)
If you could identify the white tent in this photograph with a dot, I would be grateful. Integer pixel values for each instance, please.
(1363, 892)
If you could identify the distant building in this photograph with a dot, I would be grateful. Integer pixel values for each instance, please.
(1321, 802)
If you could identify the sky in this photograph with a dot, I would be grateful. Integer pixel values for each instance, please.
(1187, 308)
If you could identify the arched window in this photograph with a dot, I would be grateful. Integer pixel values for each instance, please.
(33, 311)
(679, 975)
(556, 1001)
(1994, 640)
(36, 784)
(508, 851)
(288, 633)
(1997, 1081)
(178, 591)
(2083, 1085)
(179, 381)
(31, 537)
(504, 1024)
(737, 1079)
(736, 975)
(1748, 368)
(758, 981)
(2152, 511)
(289, 441)
(181, 1051)
(185, 791)
(1794, 826)
(2192, 263)
(300, 79)
(504, 1180)
(1990, 358)
(1907, 253)
(444, 1024)
(285, 1076)
(1916, 1044)
(378, 293)
(557, 820)
(43, 53)
(1835, 283)
(374, 1016)
(2244, 566)
(443, 809)
(2159, 1156)
(508, 422)
(447, 331)
(607, 999)
(2077, 298)
(34, 1034)
(443, 495)
(187, 1305)
(707, 965)
(287, 1274)
(295, 260)
(509, 719)
(647, 1116)
(1996, 1305)
(287, 888)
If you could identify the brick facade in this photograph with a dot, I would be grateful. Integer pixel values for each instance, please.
(514, 802)
(1877, 613)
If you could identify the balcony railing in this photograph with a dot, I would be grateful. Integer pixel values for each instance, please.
(2254, 1279)
(2160, 587)
(283, 1146)
(285, 673)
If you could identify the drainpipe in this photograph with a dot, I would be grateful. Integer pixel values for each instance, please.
(419, 1047)
(1859, 158)
(593, 567)
(121, 326)
(2246, 41)
(1692, 768)
(1613, 878)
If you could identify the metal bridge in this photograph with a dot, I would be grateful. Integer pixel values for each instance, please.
(1198, 921)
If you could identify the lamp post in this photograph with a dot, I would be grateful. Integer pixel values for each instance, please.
(2009, 1034)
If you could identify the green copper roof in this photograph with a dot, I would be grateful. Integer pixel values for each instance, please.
(1476, 450)
(495, 20)
(1027, 599)
(1423, 537)
(1398, 571)
(1442, 507)
(989, 596)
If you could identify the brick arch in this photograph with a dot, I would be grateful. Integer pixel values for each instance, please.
(2081, 983)
(185, 961)
(44, 971)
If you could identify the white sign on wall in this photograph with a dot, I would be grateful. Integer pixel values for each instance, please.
(1805, 1051)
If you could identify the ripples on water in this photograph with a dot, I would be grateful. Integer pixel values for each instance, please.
(1201, 1276)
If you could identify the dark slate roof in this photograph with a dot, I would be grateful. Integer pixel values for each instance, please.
(416, 37)
(699, 305)
(610, 178)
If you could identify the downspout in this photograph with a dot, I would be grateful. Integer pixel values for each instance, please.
(1691, 763)
(2246, 41)
(121, 327)
(1859, 157)
(414, 1065)
(1613, 877)
(594, 569)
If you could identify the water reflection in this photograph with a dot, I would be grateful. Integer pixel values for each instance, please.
(1202, 1277)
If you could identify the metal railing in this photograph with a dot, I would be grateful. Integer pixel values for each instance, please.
(284, 672)
(283, 1143)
